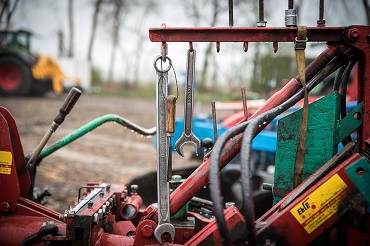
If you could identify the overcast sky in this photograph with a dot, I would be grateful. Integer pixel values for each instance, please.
(44, 17)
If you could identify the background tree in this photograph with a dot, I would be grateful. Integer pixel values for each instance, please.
(146, 7)
(71, 28)
(7, 9)
(211, 13)
(117, 12)
(97, 9)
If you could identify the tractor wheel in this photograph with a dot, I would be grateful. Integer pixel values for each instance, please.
(15, 77)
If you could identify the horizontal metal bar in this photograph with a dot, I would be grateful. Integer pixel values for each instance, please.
(238, 34)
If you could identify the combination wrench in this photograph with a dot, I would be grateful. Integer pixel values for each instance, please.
(164, 225)
(188, 136)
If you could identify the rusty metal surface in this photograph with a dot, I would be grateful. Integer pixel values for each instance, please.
(240, 34)
(278, 226)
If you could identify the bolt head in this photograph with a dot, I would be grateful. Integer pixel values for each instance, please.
(229, 204)
(90, 204)
(176, 178)
(147, 231)
(186, 235)
(357, 116)
(5, 207)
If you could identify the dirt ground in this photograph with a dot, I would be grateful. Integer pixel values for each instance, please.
(110, 153)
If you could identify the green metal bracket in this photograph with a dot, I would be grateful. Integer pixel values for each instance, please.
(324, 132)
(359, 173)
(350, 123)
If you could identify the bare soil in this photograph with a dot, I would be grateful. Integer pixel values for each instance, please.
(110, 153)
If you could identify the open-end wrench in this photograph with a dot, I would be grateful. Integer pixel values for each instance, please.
(164, 225)
(188, 136)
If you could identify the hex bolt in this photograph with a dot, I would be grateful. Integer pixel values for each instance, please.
(113, 199)
(95, 218)
(134, 189)
(104, 209)
(61, 217)
(100, 213)
(71, 214)
(176, 178)
(290, 17)
(5, 207)
(186, 235)
(354, 33)
(147, 231)
(101, 194)
(229, 204)
(357, 116)
(107, 188)
(90, 204)
(267, 186)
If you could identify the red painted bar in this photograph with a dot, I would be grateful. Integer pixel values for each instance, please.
(240, 34)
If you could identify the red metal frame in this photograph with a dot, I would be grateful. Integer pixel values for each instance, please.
(239, 34)
(284, 225)
(277, 224)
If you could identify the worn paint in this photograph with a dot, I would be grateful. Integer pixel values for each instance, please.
(321, 143)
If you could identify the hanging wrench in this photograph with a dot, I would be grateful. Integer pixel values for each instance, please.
(188, 136)
(164, 225)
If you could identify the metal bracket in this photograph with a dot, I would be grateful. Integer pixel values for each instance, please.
(359, 173)
(300, 44)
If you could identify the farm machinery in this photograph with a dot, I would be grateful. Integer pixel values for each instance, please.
(23, 73)
(320, 194)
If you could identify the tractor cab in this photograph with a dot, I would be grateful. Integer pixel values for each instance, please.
(15, 40)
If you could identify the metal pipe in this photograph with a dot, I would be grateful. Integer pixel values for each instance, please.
(241, 34)
(231, 13)
(93, 125)
(321, 21)
(261, 14)
(214, 121)
(290, 4)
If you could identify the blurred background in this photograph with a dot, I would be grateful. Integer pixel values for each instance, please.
(106, 43)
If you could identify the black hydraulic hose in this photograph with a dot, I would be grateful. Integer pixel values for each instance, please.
(48, 228)
(343, 87)
(338, 78)
(254, 127)
(214, 178)
(343, 92)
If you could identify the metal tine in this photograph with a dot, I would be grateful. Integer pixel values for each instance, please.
(321, 21)
(214, 120)
(245, 106)
(261, 14)
(290, 4)
(231, 13)
(245, 46)
(275, 46)
(191, 48)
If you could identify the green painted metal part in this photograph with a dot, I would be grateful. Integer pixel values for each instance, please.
(175, 182)
(359, 173)
(351, 122)
(91, 126)
(324, 132)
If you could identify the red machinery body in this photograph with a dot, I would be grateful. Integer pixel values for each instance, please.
(107, 214)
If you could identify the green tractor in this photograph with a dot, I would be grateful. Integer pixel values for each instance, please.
(24, 73)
